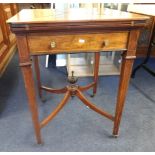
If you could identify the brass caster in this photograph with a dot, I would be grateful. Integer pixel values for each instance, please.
(92, 95)
(115, 136)
(41, 143)
(43, 99)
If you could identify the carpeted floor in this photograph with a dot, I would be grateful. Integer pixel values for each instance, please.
(77, 128)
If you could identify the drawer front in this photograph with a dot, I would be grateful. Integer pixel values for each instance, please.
(74, 43)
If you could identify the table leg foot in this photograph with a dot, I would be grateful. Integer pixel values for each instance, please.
(40, 142)
(92, 95)
(115, 136)
(43, 99)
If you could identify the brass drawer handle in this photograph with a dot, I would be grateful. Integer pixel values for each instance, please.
(53, 44)
(82, 41)
(105, 43)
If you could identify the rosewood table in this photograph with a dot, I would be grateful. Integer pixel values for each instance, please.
(47, 31)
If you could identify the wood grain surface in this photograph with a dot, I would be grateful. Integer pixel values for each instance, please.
(41, 44)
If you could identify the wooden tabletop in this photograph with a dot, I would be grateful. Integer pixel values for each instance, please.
(142, 9)
(72, 15)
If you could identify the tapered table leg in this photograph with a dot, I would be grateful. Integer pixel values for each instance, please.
(124, 81)
(96, 70)
(127, 63)
(26, 68)
(37, 70)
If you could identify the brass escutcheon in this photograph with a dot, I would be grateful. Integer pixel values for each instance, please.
(53, 44)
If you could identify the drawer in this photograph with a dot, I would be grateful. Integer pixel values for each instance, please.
(74, 43)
